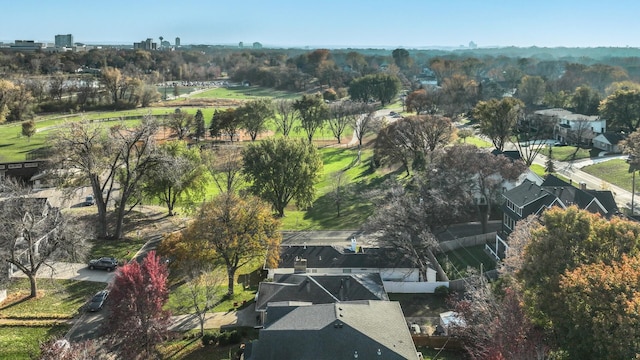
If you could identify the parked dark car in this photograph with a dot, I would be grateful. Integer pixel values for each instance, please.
(104, 263)
(89, 200)
(97, 301)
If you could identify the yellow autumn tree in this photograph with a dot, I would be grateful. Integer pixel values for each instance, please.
(230, 230)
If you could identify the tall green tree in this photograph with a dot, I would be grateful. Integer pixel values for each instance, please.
(235, 231)
(179, 175)
(531, 90)
(622, 110)
(281, 170)
(254, 115)
(200, 130)
(381, 87)
(585, 101)
(225, 122)
(402, 58)
(498, 119)
(312, 112)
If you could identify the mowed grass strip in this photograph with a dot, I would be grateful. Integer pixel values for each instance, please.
(57, 299)
(23, 343)
(245, 93)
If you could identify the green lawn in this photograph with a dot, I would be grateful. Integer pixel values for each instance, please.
(354, 208)
(58, 299)
(567, 153)
(21, 342)
(615, 172)
(473, 140)
(538, 169)
(456, 262)
(123, 249)
(180, 302)
(245, 93)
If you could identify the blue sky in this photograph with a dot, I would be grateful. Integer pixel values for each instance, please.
(329, 23)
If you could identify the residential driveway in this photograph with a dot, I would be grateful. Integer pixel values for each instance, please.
(72, 271)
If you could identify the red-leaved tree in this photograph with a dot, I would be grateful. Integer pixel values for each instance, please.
(137, 321)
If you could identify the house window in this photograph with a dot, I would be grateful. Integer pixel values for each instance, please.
(346, 271)
(509, 222)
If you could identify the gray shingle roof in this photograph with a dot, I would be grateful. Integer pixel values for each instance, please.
(554, 188)
(320, 289)
(336, 331)
(324, 256)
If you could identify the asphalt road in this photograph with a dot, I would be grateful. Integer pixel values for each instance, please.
(572, 171)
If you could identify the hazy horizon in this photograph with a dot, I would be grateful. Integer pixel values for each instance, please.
(333, 24)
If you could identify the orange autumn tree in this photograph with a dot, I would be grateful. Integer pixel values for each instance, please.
(603, 303)
(571, 242)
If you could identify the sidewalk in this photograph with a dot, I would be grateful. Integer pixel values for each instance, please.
(216, 320)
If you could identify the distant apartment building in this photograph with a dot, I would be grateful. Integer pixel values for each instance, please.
(27, 45)
(145, 45)
(64, 40)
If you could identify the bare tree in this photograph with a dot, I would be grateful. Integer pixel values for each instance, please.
(225, 166)
(365, 123)
(108, 159)
(286, 116)
(340, 189)
(497, 327)
(338, 119)
(33, 234)
(203, 291)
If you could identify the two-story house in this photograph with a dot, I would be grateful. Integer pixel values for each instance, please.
(572, 128)
(530, 198)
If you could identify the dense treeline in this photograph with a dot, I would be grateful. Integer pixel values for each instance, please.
(124, 78)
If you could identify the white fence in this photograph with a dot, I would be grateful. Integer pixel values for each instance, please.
(466, 242)
(413, 287)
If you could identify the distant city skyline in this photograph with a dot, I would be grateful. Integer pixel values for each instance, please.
(329, 23)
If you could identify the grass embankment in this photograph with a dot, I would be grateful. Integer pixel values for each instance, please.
(26, 322)
(614, 172)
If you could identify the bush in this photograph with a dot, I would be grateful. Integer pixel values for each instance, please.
(441, 291)
(229, 337)
(211, 337)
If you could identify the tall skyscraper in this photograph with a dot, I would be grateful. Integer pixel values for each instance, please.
(177, 41)
(64, 40)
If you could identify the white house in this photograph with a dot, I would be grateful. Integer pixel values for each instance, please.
(574, 128)
(327, 259)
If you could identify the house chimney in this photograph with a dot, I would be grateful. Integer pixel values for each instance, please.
(299, 266)
(583, 186)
